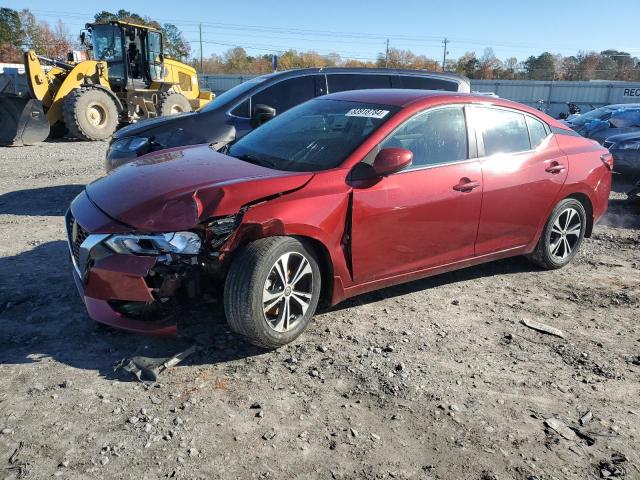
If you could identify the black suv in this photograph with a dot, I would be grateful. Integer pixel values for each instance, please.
(237, 111)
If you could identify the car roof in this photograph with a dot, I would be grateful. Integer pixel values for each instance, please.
(363, 70)
(403, 97)
(422, 98)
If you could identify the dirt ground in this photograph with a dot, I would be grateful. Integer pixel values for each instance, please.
(436, 379)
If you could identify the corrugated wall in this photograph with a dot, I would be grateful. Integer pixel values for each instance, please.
(552, 97)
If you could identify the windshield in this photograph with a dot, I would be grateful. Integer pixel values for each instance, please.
(316, 135)
(602, 113)
(233, 94)
(107, 43)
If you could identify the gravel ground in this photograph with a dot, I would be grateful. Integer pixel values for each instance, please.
(433, 379)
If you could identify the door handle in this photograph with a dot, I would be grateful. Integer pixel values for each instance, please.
(466, 185)
(554, 168)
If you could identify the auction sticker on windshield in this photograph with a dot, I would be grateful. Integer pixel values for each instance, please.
(367, 112)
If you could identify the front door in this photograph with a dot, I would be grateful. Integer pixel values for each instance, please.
(426, 215)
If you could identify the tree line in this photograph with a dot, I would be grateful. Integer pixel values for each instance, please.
(606, 65)
(20, 30)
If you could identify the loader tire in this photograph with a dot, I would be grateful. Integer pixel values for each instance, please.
(90, 114)
(172, 103)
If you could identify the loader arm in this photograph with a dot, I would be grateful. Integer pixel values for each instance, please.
(88, 72)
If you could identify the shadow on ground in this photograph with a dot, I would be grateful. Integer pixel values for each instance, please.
(39, 201)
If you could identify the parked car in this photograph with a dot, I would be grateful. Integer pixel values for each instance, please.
(344, 194)
(242, 108)
(604, 122)
(625, 149)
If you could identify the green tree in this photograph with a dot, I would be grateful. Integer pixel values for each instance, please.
(542, 67)
(175, 45)
(11, 36)
(468, 65)
(10, 27)
(34, 38)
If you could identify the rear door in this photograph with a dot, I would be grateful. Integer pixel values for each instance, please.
(523, 170)
(426, 215)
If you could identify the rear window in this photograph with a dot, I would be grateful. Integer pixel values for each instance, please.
(503, 131)
(424, 83)
(537, 131)
(347, 81)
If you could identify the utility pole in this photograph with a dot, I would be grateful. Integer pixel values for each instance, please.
(200, 29)
(444, 55)
(386, 56)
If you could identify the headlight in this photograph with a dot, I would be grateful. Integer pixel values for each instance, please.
(633, 145)
(133, 144)
(185, 243)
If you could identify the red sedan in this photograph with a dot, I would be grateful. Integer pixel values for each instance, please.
(339, 196)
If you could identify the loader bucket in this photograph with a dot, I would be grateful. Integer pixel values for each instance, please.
(22, 121)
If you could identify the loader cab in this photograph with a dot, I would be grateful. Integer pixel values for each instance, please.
(133, 53)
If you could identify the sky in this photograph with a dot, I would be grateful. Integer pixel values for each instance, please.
(358, 29)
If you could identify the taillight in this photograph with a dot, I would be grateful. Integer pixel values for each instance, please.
(607, 159)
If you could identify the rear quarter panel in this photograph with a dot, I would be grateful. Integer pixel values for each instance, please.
(587, 172)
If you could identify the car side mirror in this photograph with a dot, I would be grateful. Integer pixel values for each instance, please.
(391, 160)
(261, 114)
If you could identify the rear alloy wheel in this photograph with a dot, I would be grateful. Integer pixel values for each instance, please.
(562, 235)
(272, 291)
(172, 103)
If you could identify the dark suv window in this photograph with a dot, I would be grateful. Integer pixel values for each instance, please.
(287, 93)
(503, 131)
(435, 137)
(356, 81)
(423, 83)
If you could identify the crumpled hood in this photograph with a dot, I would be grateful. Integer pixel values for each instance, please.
(177, 188)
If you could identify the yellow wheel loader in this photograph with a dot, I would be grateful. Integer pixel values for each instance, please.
(128, 79)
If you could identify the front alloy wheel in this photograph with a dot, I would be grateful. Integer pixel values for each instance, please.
(562, 235)
(287, 292)
(272, 290)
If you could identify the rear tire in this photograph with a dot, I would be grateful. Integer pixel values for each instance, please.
(260, 306)
(172, 103)
(562, 235)
(90, 114)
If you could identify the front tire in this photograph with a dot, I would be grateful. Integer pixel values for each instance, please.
(562, 235)
(90, 114)
(272, 291)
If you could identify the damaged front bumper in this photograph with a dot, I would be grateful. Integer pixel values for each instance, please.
(136, 293)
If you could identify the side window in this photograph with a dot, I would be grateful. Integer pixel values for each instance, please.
(503, 131)
(242, 110)
(155, 55)
(537, 131)
(435, 137)
(423, 83)
(287, 93)
(346, 81)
